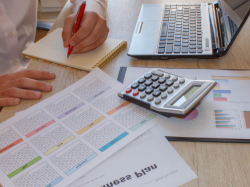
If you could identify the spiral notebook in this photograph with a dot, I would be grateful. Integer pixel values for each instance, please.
(50, 49)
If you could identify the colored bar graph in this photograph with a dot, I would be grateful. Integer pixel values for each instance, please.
(59, 179)
(222, 91)
(105, 147)
(82, 163)
(24, 167)
(59, 145)
(142, 122)
(220, 99)
(225, 118)
(217, 84)
(221, 80)
(91, 125)
(216, 88)
(118, 108)
(40, 128)
(230, 78)
(10, 146)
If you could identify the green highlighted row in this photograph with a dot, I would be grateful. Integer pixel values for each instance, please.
(24, 167)
(217, 95)
(142, 122)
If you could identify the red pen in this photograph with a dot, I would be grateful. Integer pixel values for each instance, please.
(77, 23)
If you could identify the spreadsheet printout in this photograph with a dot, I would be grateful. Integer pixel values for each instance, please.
(56, 141)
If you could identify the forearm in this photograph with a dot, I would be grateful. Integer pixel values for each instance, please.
(99, 6)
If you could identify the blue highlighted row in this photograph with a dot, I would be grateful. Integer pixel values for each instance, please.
(82, 163)
(221, 80)
(98, 94)
(113, 141)
(222, 91)
(59, 179)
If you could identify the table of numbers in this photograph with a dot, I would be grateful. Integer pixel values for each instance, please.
(92, 89)
(83, 120)
(8, 139)
(18, 160)
(73, 158)
(34, 123)
(52, 139)
(64, 106)
(41, 176)
(134, 117)
(105, 136)
(110, 103)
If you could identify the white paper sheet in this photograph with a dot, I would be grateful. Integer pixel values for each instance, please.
(223, 113)
(146, 162)
(58, 140)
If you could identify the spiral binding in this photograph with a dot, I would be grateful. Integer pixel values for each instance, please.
(100, 64)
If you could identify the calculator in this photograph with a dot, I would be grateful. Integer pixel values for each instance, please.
(166, 93)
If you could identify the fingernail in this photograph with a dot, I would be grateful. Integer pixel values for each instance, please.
(16, 100)
(48, 86)
(37, 93)
(51, 74)
(75, 49)
(72, 43)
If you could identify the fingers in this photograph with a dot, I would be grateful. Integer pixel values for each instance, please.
(27, 83)
(88, 24)
(67, 29)
(100, 27)
(20, 93)
(9, 101)
(32, 74)
(99, 42)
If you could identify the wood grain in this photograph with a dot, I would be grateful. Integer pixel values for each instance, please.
(216, 164)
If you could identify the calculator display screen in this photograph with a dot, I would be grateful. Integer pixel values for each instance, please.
(187, 95)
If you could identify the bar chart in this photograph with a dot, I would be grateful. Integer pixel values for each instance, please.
(226, 118)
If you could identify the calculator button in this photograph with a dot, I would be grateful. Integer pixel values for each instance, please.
(141, 80)
(148, 82)
(154, 78)
(162, 80)
(164, 96)
(155, 85)
(170, 90)
(174, 79)
(158, 73)
(169, 83)
(176, 85)
(143, 95)
(182, 81)
(136, 92)
(156, 93)
(149, 90)
(150, 98)
(142, 88)
(128, 90)
(135, 85)
(157, 101)
(163, 88)
(167, 76)
(148, 76)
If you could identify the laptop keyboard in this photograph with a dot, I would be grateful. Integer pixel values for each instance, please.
(233, 26)
(181, 31)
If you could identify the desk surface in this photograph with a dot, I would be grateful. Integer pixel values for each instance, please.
(216, 164)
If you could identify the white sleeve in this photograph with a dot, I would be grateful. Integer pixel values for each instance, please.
(99, 6)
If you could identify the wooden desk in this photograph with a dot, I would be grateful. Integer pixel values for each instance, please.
(216, 164)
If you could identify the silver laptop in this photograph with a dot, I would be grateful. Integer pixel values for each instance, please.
(204, 30)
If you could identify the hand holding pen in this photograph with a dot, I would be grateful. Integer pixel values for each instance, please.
(92, 32)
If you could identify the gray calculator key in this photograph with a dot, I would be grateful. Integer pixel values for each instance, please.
(170, 90)
(157, 101)
(164, 96)
(177, 49)
(169, 48)
(184, 49)
(158, 73)
(150, 98)
(167, 76)
(164, 28)
(143, 95)
(174, 79)
(182, 81)
(161, 50)
(176, 85)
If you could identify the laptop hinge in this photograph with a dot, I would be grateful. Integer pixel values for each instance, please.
(216, 28)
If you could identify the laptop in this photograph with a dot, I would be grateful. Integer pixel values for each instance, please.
(200, 30)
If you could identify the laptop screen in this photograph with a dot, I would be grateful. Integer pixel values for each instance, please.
(233, 13)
